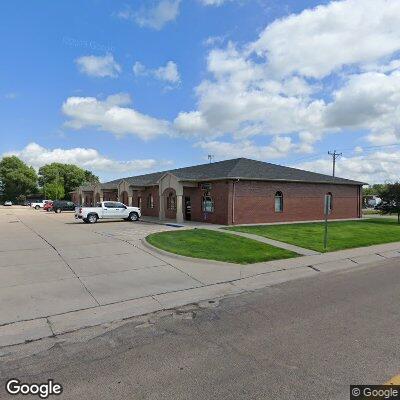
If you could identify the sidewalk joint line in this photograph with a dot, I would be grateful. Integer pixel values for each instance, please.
(62, 258)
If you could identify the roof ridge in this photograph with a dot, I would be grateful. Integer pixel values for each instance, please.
(242, 168)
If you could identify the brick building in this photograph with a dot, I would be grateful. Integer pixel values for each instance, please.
(239, 191)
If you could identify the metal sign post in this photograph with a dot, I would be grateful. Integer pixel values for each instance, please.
(327, 211)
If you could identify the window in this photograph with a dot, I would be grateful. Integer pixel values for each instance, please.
(208, 204)
(120, 205)
(330, 202)
(109, 205)
(278, 202)
(171, 202)
(150, 201)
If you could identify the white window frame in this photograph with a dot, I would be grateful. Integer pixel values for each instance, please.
(278, 202)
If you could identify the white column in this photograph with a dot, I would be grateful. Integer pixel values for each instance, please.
(179, 209)
(161, 214)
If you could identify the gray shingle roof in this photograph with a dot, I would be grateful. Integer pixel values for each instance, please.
(239, 168)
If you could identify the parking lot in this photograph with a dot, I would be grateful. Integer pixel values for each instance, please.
(50, 264)
(59, 275)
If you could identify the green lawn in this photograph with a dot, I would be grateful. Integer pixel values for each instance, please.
(341, 235)
(220, 246)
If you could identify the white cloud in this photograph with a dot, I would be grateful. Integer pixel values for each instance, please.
(243, 100)
(35, 155)
(279, 147)
(358, 150)
(375, 167)
(99, 66)
(139, 69)
(168, 73)
(321, 40)
(112, 115)
(214, 40)
(155, 16)
(370, 101)
(214, 2)
(264, 87)
(11, 96)
(190, 123)
(274, 85)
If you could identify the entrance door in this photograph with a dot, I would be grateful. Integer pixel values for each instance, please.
(188, 209)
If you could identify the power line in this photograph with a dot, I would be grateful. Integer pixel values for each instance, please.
(334, 157)
(313, 156)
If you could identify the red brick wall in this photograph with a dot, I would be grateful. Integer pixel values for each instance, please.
(220, 192)
(254, 201)
(110, 195)
(75, 198)
(150, 212)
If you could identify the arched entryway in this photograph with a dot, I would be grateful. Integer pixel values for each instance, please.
(88, 199)
(169, 196)
(97, 199)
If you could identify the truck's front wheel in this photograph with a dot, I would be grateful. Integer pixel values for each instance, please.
(92, 218)
(133, 216)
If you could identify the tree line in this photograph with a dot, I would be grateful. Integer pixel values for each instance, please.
(389, 193)
(53, 181)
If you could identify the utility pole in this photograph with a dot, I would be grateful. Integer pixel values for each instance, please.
(334, 157)
(210, 157)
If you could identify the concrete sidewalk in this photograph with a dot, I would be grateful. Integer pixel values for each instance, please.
(58, 276)
(296, 249)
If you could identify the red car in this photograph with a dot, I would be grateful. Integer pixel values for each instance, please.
(48, 206)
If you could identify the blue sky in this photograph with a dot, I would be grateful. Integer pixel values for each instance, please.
(130, 87)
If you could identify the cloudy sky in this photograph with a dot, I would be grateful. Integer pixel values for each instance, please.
(129, 87)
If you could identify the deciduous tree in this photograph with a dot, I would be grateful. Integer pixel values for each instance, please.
(69, 176)
(391, 199)
(16, 178)
(54, 191)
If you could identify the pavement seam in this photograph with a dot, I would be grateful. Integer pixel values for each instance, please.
(231, 282)
(130, 299)
(62, 258)
(355, 262)
(51, 328)
(151, 254)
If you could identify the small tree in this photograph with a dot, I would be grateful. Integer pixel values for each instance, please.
(391, 199)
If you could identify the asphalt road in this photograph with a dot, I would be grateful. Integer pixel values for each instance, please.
(305, 339)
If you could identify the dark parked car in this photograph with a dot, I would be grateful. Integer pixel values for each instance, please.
(63, 205)
(383, 207)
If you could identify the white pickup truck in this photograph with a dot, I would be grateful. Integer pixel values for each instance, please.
(107, 210)
(39, 204)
